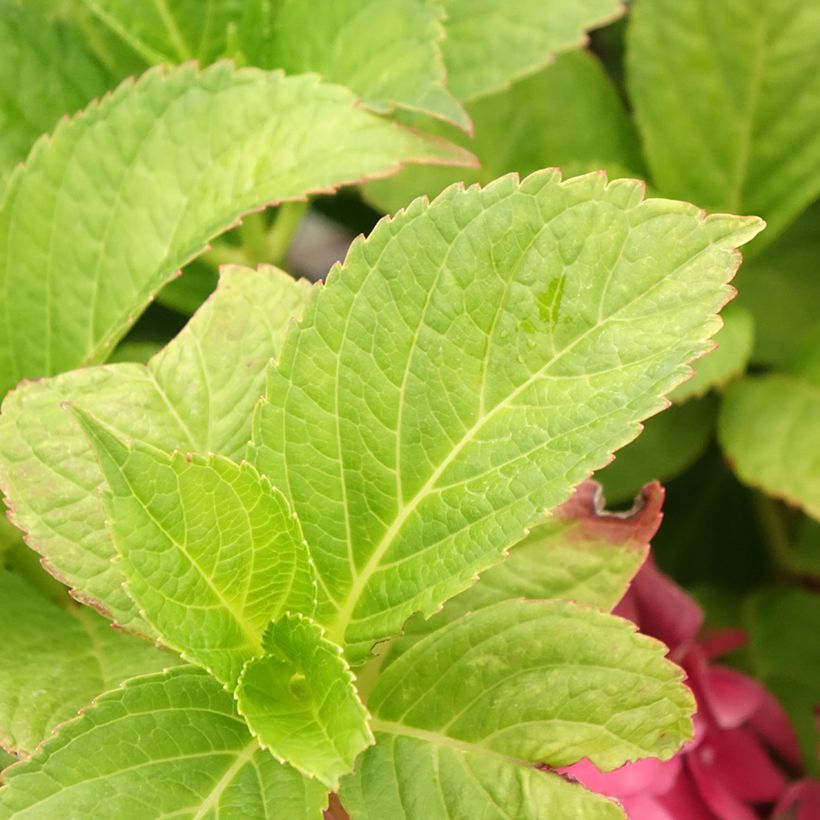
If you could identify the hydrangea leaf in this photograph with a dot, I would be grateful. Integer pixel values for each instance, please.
(669, 443)
(169, 744)
(386, 51)
(198, 395)
(161, 166)
(728, 361)
(395, 779)
(785, 655)
(520, 683)
(56, 660)
(46, 71)
(709, 82)
(517, 130)
(580, 553)
(769, 428)
(489, 45)
(299, 700)
(209, 550)
(472, 361)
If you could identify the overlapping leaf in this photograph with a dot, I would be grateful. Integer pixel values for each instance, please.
(210, 551)
(56, 660)
(710, 83)
(515, 684)
(471, 362)
(489, 45)
(300, 701)
(580, 553)
(160, 167)
(167, 744)
(197, 395)
(46, 72)
(386, 51)
(517, 130)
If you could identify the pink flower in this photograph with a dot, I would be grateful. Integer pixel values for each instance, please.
(729, 771)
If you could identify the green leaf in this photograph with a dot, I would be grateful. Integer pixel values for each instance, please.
(710, 83)
(46, 72)
(769, 428)
(414, 779)
(209, 550)
(162, 745)
(580, 553)
(669, 443)
(197, 395)
(300, 701)
(489, 45)
(517, 130)
(386, 51)
(55, 660)
(786, 656)
(781, 289)
(472, 361)
(162, 166)
(728, 361)
(519, 683)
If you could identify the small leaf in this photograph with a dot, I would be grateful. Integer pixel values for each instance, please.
(209, 550)
(580, 553)
(197, 394)
(300, 701)
(163, 745)
(490, 45)
(162, 166)
(769, 429)
(472, 361)
(709, 82)
(519, 683)
(55, 660)
(517, 130)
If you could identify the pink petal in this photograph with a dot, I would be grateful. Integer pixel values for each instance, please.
(732, 697)
(664, 610)
(801, 800)
(718, 769)
(717, 642)
(651, 775)
(773, 726)
(642, 807)
(683, 802)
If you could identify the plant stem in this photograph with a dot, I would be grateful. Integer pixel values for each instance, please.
(771, 516)
(288, 218)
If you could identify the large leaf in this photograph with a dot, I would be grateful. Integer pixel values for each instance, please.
(515, 684)
(710, 83)
(300, 701)
(489, 44)
(210, 551)
(160, 167)
(197, 395)
(55, 660)
(46, 71)
(387, 51)
(517, 130)
(581, 553)
(162, 745)
(472, 361)
(770, 430)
